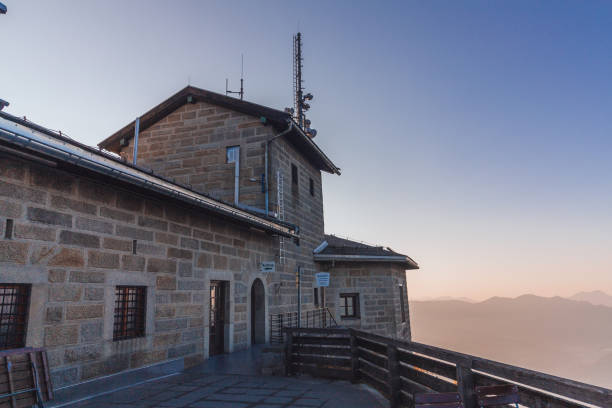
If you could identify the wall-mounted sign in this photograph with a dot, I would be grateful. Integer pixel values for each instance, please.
(322, 279)
(267, 267)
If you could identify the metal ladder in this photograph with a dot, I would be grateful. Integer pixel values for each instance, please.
(281, 214)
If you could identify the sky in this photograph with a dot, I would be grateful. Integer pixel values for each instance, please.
(473, 136)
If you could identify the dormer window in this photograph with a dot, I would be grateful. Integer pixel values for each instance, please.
(232, 154)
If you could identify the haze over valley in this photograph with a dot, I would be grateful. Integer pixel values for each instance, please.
(568, 337)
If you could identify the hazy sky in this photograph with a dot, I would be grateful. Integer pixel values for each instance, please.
(475, 137)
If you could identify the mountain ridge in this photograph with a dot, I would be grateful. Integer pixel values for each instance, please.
(561, 336)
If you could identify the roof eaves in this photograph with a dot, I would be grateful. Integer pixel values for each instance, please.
(367, 258)
(86, 157)
(277, 118)
(331, 167)
(187, 95)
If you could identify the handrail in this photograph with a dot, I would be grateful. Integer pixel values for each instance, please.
(321, 317)
(408, 367)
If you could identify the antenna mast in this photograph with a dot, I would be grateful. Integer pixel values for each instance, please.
(241, 92)
(300, 104)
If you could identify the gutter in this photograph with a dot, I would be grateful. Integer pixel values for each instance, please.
(365, 258)
(88, 158)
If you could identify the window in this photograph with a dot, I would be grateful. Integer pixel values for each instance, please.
(349, 305)
(316, 297)
(401, 290)
(294, 174)
(8, 229)
(14, 305)
(311, 187)
(130, 304)
(232, 154)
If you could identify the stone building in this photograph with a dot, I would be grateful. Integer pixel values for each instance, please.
(113, 266)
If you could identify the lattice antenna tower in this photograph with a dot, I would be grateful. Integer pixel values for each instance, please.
(300, 106)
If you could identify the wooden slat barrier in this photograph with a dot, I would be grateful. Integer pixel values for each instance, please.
(22, 377)
(319, 352)
(400, 369)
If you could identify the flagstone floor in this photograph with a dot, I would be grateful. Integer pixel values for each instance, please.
(231, 381)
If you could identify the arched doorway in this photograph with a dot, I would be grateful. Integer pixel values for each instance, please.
(258, 313)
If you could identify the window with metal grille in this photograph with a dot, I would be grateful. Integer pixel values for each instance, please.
(401, 291)
(130, 303)
(349, 305)
(14, 305)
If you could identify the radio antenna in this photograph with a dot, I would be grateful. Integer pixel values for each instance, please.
(241, 91)
(300, 104)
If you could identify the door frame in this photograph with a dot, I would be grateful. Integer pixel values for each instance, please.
(254, 313)
(263, 280)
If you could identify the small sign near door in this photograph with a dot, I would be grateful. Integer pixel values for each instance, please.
(267, 267)
(322, 279)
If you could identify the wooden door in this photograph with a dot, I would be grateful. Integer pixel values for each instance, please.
(217, 318)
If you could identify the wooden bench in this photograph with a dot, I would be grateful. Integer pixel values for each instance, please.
(494, 395)
(24, 378)
(438, 400)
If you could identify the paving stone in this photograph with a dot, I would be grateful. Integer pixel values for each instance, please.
(308, 402)
(265, 406)
(235, 397)
(278, 400)
(289, 393)
(218, 404)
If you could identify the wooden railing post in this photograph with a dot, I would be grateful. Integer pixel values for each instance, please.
(394, 376)
(289, 353)
(354, 357)
(465, 385)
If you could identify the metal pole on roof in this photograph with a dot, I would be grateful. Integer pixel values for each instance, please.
(136, 131)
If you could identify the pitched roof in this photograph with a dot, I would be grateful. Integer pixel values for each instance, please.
(341, 249)
(40, 142)
(279, 119)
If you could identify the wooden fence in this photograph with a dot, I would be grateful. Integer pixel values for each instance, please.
(22, 371)
(400, 369)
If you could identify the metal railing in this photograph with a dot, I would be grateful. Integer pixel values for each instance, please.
(315, 318)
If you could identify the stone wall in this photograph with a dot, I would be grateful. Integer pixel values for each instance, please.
(189, 145)
(74, 235)
(378, 286)
(72, 241)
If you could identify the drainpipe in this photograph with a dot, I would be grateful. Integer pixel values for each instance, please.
(237, 179)
(284, 132)
(299, 299)
(136, 131)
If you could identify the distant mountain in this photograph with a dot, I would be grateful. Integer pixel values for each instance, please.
(564, 337)
(444, 298)
(596, 297)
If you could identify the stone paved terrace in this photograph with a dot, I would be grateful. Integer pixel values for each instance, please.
(232, 381)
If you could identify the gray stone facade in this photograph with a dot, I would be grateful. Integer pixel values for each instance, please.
(77, 237)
